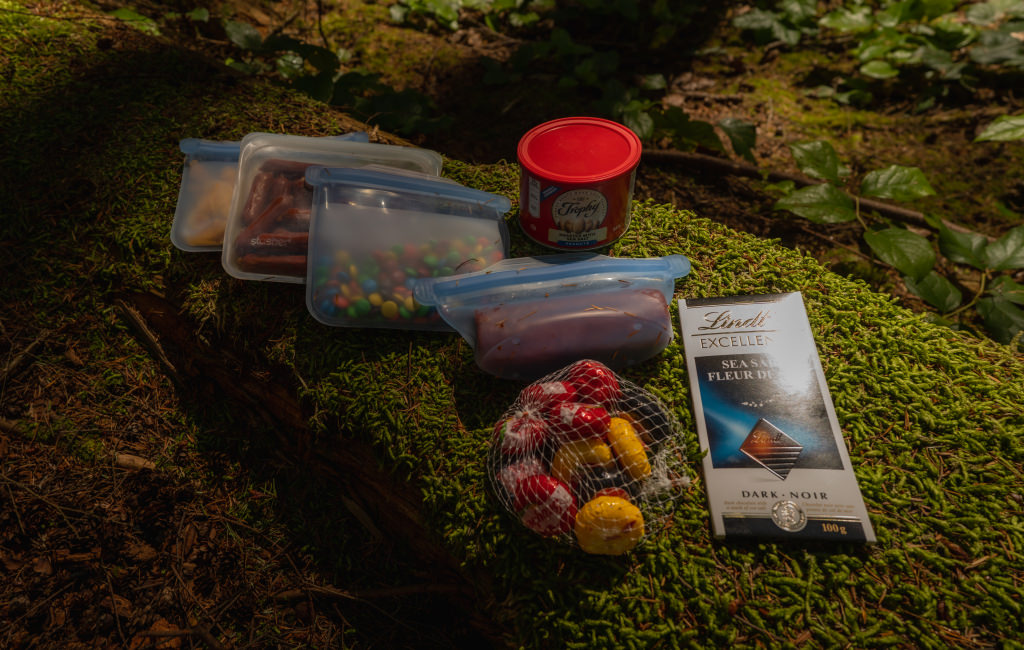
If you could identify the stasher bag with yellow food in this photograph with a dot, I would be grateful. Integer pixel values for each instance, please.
(588, 458)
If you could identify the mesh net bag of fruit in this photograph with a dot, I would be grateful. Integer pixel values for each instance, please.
(588, 458)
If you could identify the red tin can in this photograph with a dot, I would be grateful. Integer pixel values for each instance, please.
(577, 181)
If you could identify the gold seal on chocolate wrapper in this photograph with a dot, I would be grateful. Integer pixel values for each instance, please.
(789, 516)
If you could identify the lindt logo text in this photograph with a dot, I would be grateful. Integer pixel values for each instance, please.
(720, 320)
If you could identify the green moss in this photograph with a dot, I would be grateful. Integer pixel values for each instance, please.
(932, 418)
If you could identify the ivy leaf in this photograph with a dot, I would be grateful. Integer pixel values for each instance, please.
(896, 182)
(1002, 318)
(653, 82)
(1007, 252)
(936, 290)
(1004, 129)
(742, 135)
(243, 35)
(702, 133)
(640, 122)
(823, 203)
(963, 247)
(909, 253)
(879, 70)
(138, 21)
(817, 159)
(858, 19)
(1006, 288)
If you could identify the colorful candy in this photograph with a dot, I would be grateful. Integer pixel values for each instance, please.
(383, 278)
(595, 382)
(628, 449)
(576, 420)
(572, 455)
(545, 505)
(523, 433)
(608, 525)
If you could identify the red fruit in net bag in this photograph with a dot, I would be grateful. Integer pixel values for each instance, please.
(545, 505)
(523, 433)
(576, 421)
(511, 475)
(543, 394)
(594, 382)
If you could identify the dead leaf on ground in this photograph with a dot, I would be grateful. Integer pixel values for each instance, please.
(133, 462)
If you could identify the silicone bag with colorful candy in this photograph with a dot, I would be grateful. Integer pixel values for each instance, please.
(526, 317)
(588, 458)
(373, 233)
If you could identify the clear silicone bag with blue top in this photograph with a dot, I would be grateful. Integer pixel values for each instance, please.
(207, 184)
(267, 232)
(526, 317)
(374, 234)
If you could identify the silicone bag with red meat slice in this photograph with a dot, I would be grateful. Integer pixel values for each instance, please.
(529, 316)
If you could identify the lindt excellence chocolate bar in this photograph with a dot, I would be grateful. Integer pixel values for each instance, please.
(776, 464)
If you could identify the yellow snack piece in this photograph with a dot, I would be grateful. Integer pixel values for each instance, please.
(628, 448)
(608, 525)
(589, 451)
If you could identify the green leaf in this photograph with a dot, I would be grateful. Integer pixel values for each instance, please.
(1002, 318)
(995, 47)
(1007, 252)
(981, 13)
(909, 253)
(845, 20)
(936, 290)
(963, 247)
(817, 159)
(138, 21)
(640, 122)
(653, 82)
(823, 203)
(936, 8)
(896, 182)
(243, 35)
(1004, 129)
(879, 70)
(1006, 288)
(702, 133)
(742, 135)
(200, 15)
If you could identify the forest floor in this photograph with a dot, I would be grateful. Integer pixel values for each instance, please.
(979, 186)
(198, 532)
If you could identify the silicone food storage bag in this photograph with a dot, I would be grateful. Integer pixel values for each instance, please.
(526, 317)
(373, 234)
(267, 232)
(207, 185)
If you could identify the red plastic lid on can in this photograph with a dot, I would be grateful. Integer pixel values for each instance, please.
(579, 150)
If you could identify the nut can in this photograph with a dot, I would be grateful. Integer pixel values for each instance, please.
(576, 185)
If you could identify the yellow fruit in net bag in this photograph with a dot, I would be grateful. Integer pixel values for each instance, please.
(628, 448)
(608, 525)
(589, 452)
